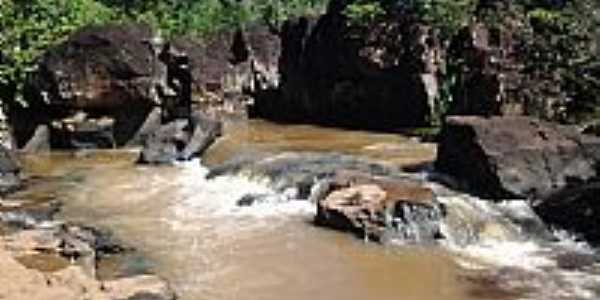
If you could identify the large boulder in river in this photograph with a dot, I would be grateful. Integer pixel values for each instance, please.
(380, 208)
(516, 157)
(103, 71)
(576, 209)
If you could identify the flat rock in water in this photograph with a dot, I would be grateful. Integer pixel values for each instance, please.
(300, 171)
(380, 208)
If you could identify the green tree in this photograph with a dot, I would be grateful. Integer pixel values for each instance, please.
(28, 28)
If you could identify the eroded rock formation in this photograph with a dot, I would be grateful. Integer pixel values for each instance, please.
(516, 157)
(380, 76)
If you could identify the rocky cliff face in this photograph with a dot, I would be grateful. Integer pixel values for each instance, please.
(231, 67)
(511, 58)
(526, 59)
(380, 76)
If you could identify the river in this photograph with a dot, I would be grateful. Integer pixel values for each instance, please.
(191, 231)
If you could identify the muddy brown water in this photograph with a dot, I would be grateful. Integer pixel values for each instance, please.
(209, 249)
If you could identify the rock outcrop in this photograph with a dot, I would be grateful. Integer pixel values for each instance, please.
(100, 72)
(379, 208)
(232, 67)
(381, 76)
(516, 157)
(98, 89)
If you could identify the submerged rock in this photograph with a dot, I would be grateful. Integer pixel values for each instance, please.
(516, 157)
(300, 171)
(9, 171)
(384, 209)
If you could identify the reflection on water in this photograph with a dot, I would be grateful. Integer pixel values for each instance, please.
(260, 137)
(211, 249)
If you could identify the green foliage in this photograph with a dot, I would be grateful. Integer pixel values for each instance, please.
(28, 28)
(561, 45)
(363, 12)
(177, 17)
(447, 16)
(544, 17)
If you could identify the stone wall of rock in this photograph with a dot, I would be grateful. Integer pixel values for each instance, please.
(98, 88)
(380, 76)
(231, 67)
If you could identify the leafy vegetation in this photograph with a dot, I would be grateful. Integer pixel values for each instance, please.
(29, 27)
(558, 45)
(363, 12)
(559, 39)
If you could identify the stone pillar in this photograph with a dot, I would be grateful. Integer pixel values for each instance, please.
(159, 70)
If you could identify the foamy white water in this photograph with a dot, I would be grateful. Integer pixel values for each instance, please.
(211, 248)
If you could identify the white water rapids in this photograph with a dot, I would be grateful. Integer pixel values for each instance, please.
(208, 247)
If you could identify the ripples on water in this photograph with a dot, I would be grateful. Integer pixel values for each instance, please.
(210, 248)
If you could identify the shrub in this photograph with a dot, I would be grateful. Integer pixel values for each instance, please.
(28, 28)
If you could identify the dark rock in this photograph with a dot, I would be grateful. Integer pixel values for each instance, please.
(152, 123)
(148, 296)
(29, 216)
(516, 157)
(592, 128)
(576, 261)
(9, 171)
(230, 67)
(180, 140)
(575, 209)
(101, 242)
(384, 209)
(39, 142)
(300, 171)
(381, 76)
(104, 71)
(251, 199)
(206, 131)
(73, 133)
